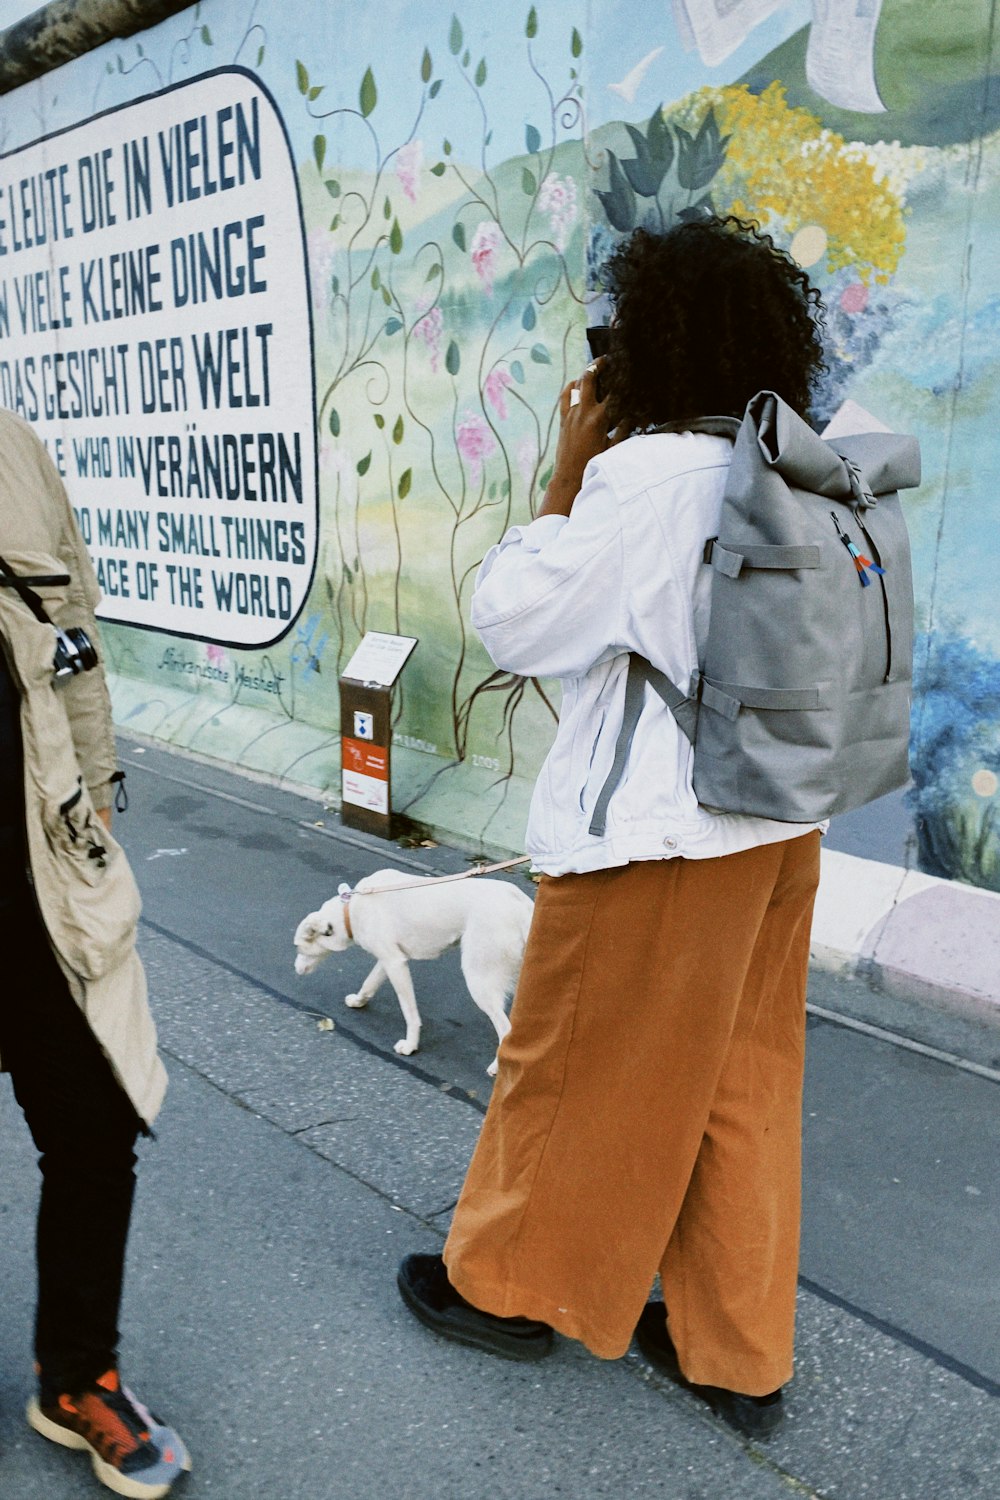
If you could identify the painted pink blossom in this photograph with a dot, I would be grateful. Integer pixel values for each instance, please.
(409, 160)
(854, 298)
(557, 198)
(475, 443)
(526, 457)
(215, 654)
(485, 244)
(428, 330)
(497, 382)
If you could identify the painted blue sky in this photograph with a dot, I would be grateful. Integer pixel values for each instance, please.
(338, 54)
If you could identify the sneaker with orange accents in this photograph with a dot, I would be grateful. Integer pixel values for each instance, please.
(132, 1452)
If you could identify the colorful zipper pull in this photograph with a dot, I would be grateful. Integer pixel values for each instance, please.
(861, 562)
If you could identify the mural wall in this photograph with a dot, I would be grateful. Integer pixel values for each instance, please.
(292, 308)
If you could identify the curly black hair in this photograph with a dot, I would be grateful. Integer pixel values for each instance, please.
(706, 315)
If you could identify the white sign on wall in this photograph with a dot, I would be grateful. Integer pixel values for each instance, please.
(155, 329)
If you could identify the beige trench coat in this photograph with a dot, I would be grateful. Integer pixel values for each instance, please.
(85, 891)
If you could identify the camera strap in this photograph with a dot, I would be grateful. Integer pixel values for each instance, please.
(21, 585)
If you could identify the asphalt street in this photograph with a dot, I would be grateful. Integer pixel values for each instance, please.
(295, 1164)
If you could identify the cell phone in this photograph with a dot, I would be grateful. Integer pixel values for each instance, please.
(598, 340)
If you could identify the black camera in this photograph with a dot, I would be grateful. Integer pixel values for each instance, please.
(75, 653)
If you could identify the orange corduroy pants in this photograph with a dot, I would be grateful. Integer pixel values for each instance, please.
(647, 1114)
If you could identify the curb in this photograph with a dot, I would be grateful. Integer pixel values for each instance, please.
(912, 935)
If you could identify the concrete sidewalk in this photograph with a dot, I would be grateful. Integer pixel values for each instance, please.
(295, 1166)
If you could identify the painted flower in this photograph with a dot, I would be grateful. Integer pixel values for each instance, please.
(428, 330)
(485, 244)
(557, 198)
(215, 654)
(475, 443)
(409, 160)
(497, 382)
(854, 298)
(526, 458)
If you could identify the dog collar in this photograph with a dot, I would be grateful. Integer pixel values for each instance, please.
(344, 892)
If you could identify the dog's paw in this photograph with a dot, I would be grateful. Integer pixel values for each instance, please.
(406, 1048)
(356, 1002)
(492, 1069)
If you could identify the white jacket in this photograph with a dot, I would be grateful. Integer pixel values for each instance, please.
(570, 598)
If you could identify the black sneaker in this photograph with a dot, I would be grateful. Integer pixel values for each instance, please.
(424, 1287)
(753, 1416)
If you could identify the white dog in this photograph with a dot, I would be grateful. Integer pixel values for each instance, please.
(489, 918)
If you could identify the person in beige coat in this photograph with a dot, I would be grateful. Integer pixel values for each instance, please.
(76, 1034)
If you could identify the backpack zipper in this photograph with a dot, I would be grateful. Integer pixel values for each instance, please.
(864, 565)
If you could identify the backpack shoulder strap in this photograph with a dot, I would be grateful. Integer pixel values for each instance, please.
(683, 706)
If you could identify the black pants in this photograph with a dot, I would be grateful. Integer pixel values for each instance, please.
(85, 1129)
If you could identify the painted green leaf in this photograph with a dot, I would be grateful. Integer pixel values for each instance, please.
(368, 94)
(452, 359)
(426, 66)
(121, 65)
(397, 431)
(334, 285)
(487, 138)
(528, 318)
(302, 74)
(206, 36)
(335, 421)
(532, 138)
(619, 200)
(260, 56)
(438, 169)
(435, 270)
(348, 575)
(455, 37)
(540, 354)
(644, 173)
(481, 73)
(334, 223)
(405, 480)
(492, 491)
(466, 58)
(376, 279)
(576, 43)
(505, 488)
(364, 464)
(392, 325)
(108, 68)
(517, 370)
(458, 235)
(531, 27)
(140, 49)
(395, 238)
(435, 88)
(386, 298)
(316, 90)
(446, 147)
(333, 187)
(319, 151)
(387, 208)
(528, 183)
(543, 479)
(660, 140)
(379, 420)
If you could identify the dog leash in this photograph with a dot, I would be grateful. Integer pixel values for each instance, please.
(345, 892)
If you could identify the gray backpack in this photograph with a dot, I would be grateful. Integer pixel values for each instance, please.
(801, 707)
